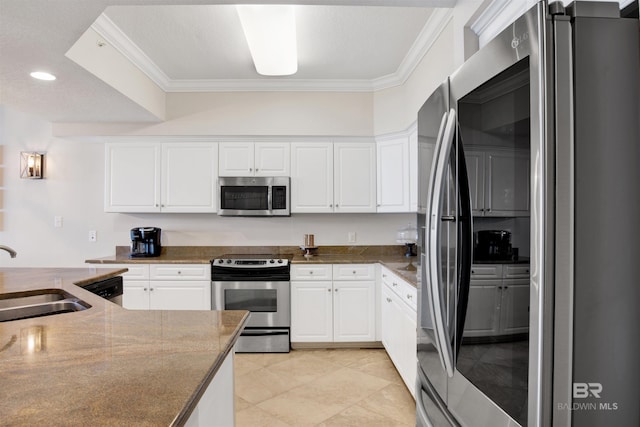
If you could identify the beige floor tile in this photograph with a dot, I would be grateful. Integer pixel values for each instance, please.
(357, 416)
(241, 404)
(296, 410)
(256, 417)
(333, 387)
(262, 384)
(394, 401)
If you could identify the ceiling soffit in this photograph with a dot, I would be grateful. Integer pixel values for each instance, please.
(113, 35)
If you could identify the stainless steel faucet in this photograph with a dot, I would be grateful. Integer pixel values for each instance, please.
(8, 249)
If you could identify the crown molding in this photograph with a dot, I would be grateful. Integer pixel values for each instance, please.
(123, 44)
(427, 37)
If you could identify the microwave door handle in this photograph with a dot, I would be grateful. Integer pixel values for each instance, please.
(435, 270)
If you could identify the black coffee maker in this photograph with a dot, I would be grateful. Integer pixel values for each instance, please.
(492, 245)
(145, 242)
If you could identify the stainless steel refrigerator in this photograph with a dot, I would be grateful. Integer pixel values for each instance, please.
(541, 125)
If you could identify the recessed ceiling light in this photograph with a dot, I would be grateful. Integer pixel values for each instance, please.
(270, 31)
(42, 75)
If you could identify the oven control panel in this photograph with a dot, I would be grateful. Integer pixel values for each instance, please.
(249, 263)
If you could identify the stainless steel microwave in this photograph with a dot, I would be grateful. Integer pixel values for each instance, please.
(254, 196)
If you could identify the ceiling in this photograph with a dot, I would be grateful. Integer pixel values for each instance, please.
(350, 45)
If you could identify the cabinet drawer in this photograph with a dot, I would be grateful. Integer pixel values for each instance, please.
(311, 272)
(136, 271)
(409, 295)
(489, 271)
(354, 271)
(183, 271)
(516, 271)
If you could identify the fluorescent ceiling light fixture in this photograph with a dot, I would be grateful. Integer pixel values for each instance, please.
(270, 31)
(42, 75)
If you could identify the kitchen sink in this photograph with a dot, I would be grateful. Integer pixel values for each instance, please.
(41, 302)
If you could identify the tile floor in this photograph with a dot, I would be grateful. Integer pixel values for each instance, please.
(335, 387)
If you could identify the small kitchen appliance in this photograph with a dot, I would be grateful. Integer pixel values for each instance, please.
(492, 245)
(145, 242)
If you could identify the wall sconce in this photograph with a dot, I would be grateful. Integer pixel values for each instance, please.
(31, 165)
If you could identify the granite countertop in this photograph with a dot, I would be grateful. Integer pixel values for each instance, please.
(106, 365)
(390, 256)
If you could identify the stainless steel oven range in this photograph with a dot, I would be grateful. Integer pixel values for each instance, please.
(261, 285)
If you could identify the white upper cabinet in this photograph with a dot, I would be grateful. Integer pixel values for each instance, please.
(254, 159)
(398, 171)
(132, 181)
(354, 177)
(236, 159)
(499, 181)
(393, 175)
(160, 177)
(189, 174)
(333, 177)
(311, 177)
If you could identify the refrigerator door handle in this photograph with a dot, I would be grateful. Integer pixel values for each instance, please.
(435, 272)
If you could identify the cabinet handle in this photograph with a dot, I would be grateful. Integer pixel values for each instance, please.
(395, 284)
(384, 276)
(388, 299)
(409, 296)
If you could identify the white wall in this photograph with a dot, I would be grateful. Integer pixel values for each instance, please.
(73, 189)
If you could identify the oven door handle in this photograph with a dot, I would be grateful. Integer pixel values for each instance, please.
(264, 332)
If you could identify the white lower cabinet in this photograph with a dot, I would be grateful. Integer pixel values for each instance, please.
(498, 300)
(167, 287)
(333, 303)
(399, 321)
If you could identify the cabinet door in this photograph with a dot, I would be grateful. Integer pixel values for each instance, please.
(132, 177)
(311, 311)
(135, 294)
(311, 177)
(272, 159)
(390, 323)
(514, 308)
(426, 151)
(236, 159)
(180, 295)
(483, 309)
(393, 175)
(354, 311)
(189, 175)
(407, 351)
(355, 177)
(475, 171)
(508, 183)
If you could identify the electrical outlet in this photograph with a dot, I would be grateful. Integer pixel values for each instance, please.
(93, 236)
(351, 237)
(57, 221)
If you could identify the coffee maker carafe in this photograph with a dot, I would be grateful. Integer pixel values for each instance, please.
(145, 242)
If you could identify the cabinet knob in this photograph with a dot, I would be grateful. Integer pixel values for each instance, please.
(395, 284)
(505, 287)
(354, 272)
(144, 289)
(331, 205)
(388, 299)
(179, 272)
(337, 205)
(151, 289)
(163, 206)
(384, 276)
(257, 169)
(311, 272)
(473, 272)
(409, 296)
(156, 205)
(328, 290)
(335, 290)
(250, 169)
